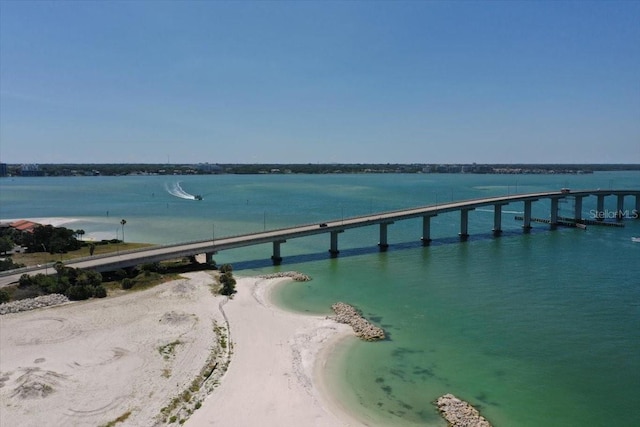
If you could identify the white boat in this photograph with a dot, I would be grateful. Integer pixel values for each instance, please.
(635, 239)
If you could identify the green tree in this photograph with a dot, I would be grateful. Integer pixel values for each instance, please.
(228, 284)
(226, 268)
(4, 296)
(53, 239)
(100, 292)
(8, 264)
(79, 292)
(6, 244)
(25, 281)
(92, 248)
(94, 278)
(80, 233)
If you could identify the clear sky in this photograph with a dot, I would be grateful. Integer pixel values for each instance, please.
(319, 82)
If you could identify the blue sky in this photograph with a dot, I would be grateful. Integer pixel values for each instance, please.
(319, 82)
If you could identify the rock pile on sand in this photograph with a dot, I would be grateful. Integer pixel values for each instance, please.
(361, 326)
(460, 413)
(298, 277)
(32, 303)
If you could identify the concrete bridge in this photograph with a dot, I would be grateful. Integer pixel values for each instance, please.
(334, 228)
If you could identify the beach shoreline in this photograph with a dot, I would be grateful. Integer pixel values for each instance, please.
(134, 355)
(277, 365)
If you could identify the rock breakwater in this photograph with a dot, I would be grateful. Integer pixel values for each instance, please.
(297, 276)
(361, 326)
(32, 303)
(459, 413)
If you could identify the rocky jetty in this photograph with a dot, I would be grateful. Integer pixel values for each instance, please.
(32, 303)
(361, 326)
(459, 413)
(298, 277)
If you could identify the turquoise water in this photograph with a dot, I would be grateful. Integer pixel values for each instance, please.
(534, 329)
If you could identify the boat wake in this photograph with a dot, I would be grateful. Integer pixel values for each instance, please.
(635, 239)
(176, 190)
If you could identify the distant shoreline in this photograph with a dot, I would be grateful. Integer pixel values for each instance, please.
(144, 169)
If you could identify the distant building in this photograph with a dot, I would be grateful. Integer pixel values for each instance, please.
(24, 225)
(31, 170)
(3, 169)
(210, 168)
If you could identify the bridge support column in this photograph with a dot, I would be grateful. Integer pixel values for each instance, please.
(600, 208)
(637, 209)
(209, 257)
(553, 220)
(464, 224)
(497, 219)
(333, 250)
(620, 208)
(383, 236)
(426, 230)
(276, 258)
(577, 212)
(526, 226)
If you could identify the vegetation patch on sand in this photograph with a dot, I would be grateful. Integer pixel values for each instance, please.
(190, 399)
(122, 418)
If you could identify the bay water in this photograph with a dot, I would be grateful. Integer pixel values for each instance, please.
(537, 329)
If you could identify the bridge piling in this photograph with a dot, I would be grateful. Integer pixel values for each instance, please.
(600, 207)
(276, 258)
(383, 236)
(464, 223)
(426, 230)
(526, 226)
(497, 219)
(554, 212)
(577, 212)
(620, 208)
(637, 209)
(334, 244)
(209, 257)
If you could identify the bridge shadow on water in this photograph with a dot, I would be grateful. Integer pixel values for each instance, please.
(374, 249)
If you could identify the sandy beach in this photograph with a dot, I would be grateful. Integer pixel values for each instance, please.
(141, 359)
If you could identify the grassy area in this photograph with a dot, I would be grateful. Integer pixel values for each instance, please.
(45, 257)
(141, 282)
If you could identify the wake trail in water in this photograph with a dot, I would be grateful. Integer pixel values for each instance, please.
(176, 190)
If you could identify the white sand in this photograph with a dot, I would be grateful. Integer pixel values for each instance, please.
(272, 379)
(101, 359)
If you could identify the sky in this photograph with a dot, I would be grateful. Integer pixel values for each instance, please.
(319, 81)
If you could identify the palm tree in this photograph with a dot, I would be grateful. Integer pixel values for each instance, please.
(123, 222)
(80, 233)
